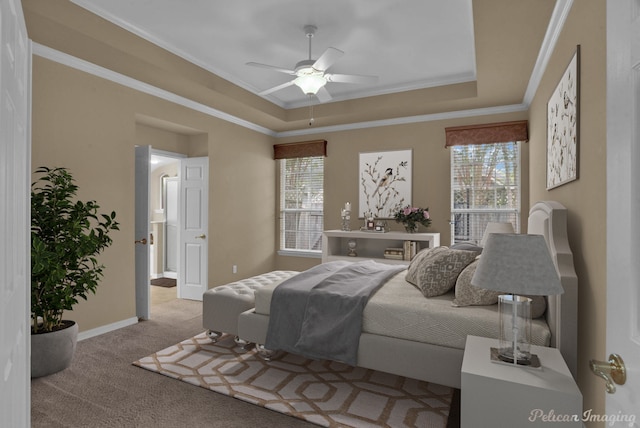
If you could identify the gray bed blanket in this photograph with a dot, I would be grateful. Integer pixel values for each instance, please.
(318, 313)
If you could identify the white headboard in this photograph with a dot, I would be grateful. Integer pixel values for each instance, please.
(549, 219)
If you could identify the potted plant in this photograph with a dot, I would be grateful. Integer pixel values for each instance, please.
(411, 217)
(66, 237)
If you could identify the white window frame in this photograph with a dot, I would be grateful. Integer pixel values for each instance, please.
(312, 212)
(485, 215)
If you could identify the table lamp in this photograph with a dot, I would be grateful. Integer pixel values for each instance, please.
(496, 227)
(516, 264)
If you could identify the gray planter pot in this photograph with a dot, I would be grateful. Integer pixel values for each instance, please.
(53, 352)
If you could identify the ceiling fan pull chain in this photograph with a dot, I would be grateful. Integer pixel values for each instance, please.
(310, 111)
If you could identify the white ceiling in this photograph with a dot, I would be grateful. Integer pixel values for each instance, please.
(408, 44)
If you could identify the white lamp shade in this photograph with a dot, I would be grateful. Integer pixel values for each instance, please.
(518, 264)
(310, 83)
(496, 227)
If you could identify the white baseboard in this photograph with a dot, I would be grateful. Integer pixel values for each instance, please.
(107, 328)
(170, 274)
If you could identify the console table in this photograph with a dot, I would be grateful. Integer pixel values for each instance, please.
(372, 245)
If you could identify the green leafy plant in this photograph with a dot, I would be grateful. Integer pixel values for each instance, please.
(66, 237)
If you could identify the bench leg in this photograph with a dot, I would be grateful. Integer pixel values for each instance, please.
(267, 354)
(213, 335)
(247, 346)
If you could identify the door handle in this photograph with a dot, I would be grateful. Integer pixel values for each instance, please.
(203, 236)
(612, 371)
(142, 241)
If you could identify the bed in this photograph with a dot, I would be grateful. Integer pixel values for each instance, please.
(407, 334)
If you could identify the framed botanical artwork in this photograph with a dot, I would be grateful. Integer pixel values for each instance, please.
(385, 183)
(563, 126)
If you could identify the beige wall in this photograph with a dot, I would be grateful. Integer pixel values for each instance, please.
(91, 126)
(431, 186)
(586, 197)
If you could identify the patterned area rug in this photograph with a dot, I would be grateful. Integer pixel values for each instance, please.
(325, 393)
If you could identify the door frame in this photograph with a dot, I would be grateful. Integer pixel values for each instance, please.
(143, 295)
(623, 273)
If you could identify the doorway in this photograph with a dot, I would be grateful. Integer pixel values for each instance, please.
(164, 200)
(151, 217)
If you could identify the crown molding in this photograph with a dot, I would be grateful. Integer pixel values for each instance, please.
(556, 23)
(407, 120)
(96, 70)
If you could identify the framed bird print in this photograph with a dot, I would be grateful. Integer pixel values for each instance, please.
(563, 127)
(385, 183)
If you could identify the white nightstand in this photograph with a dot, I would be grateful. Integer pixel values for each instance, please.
(498, 395)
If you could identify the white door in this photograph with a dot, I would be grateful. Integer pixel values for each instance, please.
(194, 200)
(172, 226)
(623, 202)
(15, 266)
(141, 229)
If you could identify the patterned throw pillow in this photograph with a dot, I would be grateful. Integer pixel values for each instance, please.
(468, 295)
(435, 270)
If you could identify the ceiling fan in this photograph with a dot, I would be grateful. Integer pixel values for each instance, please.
(311, 75)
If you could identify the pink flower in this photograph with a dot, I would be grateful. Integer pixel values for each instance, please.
(426, 214)
(407, 211)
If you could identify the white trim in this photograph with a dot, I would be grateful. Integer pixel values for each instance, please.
(163, 44)
(381, 90)
(107, 328)
(167, 154)
(144, 34)
(96, 70)
(409, 119)
(556, 23)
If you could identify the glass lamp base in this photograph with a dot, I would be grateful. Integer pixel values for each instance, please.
(532, 362)
(506, 355)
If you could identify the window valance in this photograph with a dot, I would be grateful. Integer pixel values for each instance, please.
(300, 150)
(502, 132)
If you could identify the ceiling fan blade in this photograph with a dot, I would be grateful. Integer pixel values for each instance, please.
(351, 78)
(327, 59)
(271, 67)
(323, 95)
(276, 88)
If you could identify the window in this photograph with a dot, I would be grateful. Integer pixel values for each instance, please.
(485, 187)
(301, 204)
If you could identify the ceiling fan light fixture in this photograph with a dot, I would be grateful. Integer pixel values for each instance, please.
(310, 81)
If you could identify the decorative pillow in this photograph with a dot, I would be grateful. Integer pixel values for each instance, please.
(467, 246)
(538, 306)
(470, 295)
(435, 270)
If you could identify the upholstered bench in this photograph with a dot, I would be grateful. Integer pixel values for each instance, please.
(221, 305)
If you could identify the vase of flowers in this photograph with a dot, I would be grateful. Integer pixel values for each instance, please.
(411, 217)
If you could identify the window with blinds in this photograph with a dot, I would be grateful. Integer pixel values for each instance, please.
(485, 187)
(301, 204)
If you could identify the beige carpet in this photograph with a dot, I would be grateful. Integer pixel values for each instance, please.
(324, 393)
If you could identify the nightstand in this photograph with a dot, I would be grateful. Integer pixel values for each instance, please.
(500, 395)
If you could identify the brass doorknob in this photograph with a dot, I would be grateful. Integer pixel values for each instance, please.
(203, 236)
(612, 371)
(142, 241)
